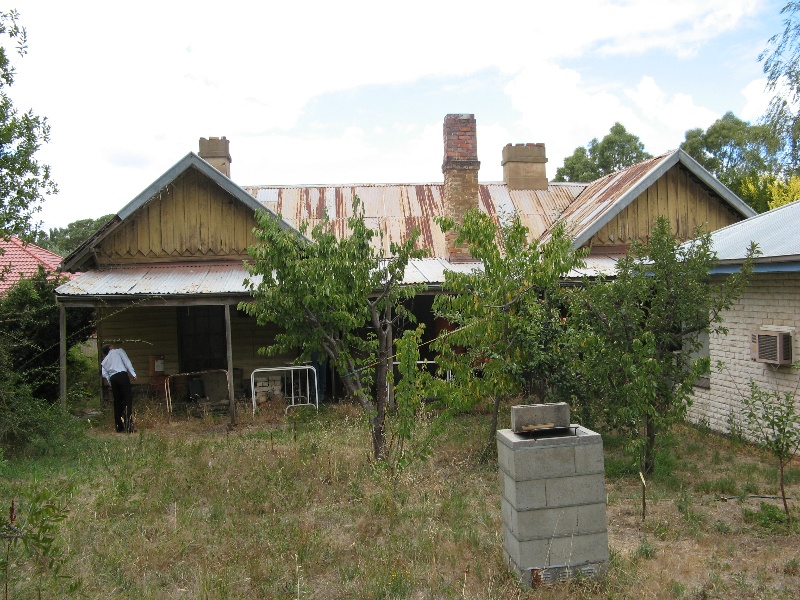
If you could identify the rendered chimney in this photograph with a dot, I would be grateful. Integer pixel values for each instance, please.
(524, 167)
(216, 151)
(460, 168)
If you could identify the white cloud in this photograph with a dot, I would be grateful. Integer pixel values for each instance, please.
(756, 100)
(665, 119)
(129, 88)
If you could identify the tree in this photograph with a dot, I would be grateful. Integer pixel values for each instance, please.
(783, 192)
(775, 423)
(781, 65)
(742, 156)
(335, 296)
(639, 336)
(64, 240)
(617, 150)
(29, 326)
(24, 182)
(508, 320)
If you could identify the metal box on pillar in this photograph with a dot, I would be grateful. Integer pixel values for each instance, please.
(553, 497)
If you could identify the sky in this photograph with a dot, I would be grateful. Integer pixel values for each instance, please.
(356, 92)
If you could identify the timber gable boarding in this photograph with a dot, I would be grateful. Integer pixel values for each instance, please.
(678, 195)
(190, 219)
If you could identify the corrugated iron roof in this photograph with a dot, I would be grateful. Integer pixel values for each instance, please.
(224, 278)
(159, 280)
(395, 210)
(603, 195)
(604, 198)
(777, 233)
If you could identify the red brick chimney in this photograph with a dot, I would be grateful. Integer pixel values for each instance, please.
(524, 167)
(216, 151)
(460, 168)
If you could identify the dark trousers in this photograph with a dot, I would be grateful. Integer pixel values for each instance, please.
(123, 401)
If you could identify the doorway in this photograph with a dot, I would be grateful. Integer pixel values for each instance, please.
(201, 338)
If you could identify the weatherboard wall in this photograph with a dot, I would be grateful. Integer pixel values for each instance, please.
(191, 218)
(679, 196)
(145, 331)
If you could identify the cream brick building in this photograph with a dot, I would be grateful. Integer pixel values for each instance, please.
(770, 304)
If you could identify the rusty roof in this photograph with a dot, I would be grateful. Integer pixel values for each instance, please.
(395, 210)
(604, 198)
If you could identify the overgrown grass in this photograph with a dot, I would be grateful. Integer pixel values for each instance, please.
(293, 507)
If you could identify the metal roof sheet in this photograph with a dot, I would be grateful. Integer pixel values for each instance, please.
(777, 233)
(395, 210)
(604, 198)
(159, 280)
(216, 278)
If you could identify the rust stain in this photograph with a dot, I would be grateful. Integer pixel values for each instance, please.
(320, 212)
(338, 201)
(485, 199)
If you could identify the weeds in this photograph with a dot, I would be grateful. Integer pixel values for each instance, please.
(770, 519)
(31, 541)
(270, 510)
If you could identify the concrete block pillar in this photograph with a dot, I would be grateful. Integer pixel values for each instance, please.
(553, 503)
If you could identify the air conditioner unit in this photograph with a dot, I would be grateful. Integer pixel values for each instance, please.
(771, 347)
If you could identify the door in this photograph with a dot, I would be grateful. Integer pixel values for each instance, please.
(201, 338)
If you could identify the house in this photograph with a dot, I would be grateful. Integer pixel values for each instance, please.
(21, 259)
(165, 274)
(762, 324)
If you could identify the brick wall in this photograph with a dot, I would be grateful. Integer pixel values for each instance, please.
(771, 299)
(460, 168)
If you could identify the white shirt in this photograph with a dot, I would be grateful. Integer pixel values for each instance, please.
(115, 362)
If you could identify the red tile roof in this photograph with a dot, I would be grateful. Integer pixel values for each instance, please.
(22, 260)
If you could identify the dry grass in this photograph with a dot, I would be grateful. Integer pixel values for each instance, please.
(293, 508)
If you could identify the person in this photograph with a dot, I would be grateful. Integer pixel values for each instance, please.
(116, 366)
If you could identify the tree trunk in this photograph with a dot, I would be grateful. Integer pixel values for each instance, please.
(783, 494)
(381, 389)
(649, 446)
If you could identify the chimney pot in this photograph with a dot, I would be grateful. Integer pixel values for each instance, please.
(524, 166)
(216, 152)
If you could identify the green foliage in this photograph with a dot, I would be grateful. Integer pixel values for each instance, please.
(781, 65)
(775, 423)
(508, 318)
(337, 296)
(65, 240)
(29, 534)
(639, 336)
(411, 429)
(742, 156)
(783, 192)
(29, 327)
(29, 426)
(23, 180)
(769, 518)
(617, 150)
